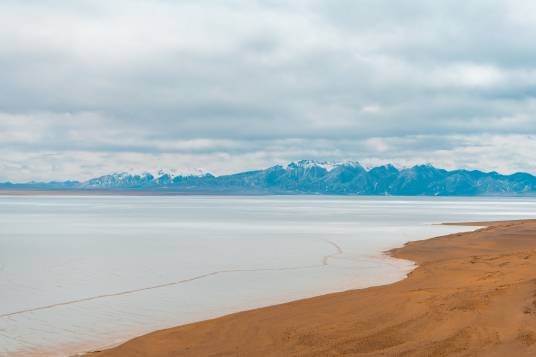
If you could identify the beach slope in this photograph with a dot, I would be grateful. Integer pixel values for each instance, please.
(473, 294)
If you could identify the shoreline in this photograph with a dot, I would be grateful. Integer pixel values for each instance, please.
(459, 300)
(382, 255)
(147, 192)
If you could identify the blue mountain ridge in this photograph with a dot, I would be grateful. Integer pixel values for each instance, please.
(312, 177)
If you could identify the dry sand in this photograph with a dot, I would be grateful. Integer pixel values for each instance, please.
(473, 294)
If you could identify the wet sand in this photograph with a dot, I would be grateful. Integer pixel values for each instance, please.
(473, 294)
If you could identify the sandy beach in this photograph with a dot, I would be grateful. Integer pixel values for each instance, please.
(473, 294)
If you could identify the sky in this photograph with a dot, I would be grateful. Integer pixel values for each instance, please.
(94, 87)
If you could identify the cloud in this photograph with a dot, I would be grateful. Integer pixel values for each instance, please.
(96, 86)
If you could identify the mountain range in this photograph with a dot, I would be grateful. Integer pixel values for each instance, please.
(310, 177)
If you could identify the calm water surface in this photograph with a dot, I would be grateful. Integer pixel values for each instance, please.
(81, 273)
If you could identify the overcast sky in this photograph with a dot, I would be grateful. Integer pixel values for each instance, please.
(93, 87)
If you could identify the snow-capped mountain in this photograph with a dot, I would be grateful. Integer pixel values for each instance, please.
(145, 179)
(326, 165)
(311, 177)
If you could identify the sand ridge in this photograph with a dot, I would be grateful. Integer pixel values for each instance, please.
(472, 294)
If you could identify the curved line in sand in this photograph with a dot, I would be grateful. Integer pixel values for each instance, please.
(325, 259)
(338, 251)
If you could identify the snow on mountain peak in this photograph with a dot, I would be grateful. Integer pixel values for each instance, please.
(171, 172)
(327, 165)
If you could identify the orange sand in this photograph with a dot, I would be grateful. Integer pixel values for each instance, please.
(473, 294)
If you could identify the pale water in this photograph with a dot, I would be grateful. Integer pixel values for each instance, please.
(81, 273)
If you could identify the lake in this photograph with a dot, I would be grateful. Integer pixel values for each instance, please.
(79, 273)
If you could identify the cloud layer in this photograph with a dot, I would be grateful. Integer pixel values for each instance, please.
(91, 87)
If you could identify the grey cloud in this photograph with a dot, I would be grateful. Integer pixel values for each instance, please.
(263, 80)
